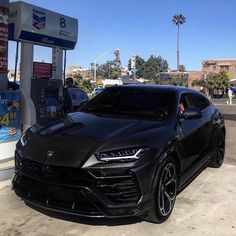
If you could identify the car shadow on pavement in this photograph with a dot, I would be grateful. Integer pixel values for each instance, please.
(87, 220)
(230, 117)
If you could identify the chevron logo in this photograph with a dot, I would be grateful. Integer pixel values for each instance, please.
(39, 19)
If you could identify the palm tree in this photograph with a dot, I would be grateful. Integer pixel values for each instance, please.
(178, 20)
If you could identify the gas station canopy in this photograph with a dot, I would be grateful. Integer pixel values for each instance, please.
(40, 26)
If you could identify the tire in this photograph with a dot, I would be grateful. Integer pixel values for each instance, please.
(163, 193)
(218, 158)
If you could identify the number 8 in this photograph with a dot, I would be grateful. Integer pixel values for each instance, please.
(62, 22)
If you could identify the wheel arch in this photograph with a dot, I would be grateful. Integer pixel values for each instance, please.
(175, 156)
(177, 161)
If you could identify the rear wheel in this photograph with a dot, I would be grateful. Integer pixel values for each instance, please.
(164, 193)
(220, 151)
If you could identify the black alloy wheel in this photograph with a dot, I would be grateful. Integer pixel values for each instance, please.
(167, 190)
(220, 151)
(164, 194)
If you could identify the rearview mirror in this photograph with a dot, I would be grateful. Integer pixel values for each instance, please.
(190, 113)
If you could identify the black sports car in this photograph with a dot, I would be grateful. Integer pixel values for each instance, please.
(128, 152)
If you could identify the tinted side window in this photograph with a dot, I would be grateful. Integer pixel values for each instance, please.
(152, 103)
(186, 100)
(200, 102)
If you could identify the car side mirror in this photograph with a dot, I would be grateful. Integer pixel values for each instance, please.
(190, 113)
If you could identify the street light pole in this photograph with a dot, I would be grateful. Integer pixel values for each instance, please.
(103, 55)
(95, 63)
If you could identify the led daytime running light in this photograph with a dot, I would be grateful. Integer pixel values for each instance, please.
(122, 154)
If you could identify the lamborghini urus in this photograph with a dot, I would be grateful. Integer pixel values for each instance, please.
(128, 152)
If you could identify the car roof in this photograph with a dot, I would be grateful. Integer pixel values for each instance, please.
(176, 89)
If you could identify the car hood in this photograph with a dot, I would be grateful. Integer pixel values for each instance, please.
(75, 138)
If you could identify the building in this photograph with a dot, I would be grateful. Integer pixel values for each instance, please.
(195, 76)
(181, 78)
(125, 71)
(111, 82)
(214, 66)
(84, 72)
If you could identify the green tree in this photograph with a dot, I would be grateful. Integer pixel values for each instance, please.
(106, 70)
(181, 68)
(152, 67)
(78, 76)
(115, 74)
(139, 66)
(220, 80)
(84, 84)
(176, 81)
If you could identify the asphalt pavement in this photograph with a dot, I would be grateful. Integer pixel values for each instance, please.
(229, 112)
(206, 207)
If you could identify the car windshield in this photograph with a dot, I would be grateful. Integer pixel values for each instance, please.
(147, 103)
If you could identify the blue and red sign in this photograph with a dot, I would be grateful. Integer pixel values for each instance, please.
(9, 116)
(39, 19)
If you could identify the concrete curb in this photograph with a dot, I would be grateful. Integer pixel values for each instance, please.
(6, 173)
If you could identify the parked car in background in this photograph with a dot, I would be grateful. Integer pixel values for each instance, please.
(128, 152)
(97, 90)
(74, 98)
(233, 89)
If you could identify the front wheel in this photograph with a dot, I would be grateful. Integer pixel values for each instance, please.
(219, 151)
(164, 193)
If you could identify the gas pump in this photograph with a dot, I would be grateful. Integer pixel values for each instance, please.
(47, 97)
(39, 99)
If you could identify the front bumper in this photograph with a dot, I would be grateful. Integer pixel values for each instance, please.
(91, 193)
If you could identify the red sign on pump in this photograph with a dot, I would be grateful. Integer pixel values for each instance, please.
(42, 70)
(4, 12)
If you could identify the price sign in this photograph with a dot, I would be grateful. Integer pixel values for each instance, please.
(9, 116)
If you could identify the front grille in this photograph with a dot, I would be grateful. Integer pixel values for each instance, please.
(54, 196)
(118, 185)
(57, 174)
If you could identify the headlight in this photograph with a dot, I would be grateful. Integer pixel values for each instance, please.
(23, 140)
(127, 154)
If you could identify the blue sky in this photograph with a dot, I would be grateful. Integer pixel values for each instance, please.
(145, 27)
